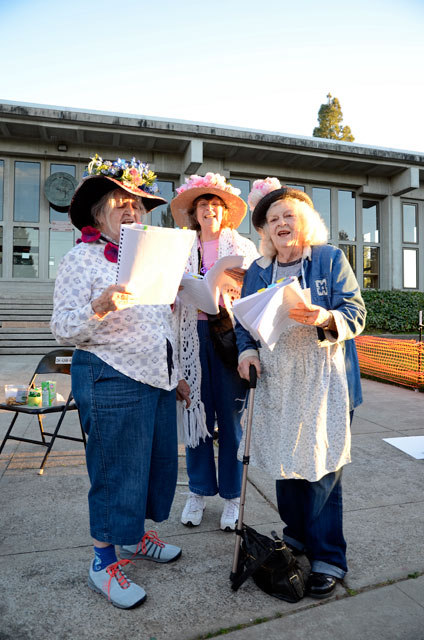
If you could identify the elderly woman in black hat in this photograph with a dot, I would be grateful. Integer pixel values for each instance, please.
(309, 383)
(212, 207)
(124, 379)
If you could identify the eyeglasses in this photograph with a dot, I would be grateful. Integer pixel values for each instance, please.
(122, 202)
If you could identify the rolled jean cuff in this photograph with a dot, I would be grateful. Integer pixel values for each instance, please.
(318, 566)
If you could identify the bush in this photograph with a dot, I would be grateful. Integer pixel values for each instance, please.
(393, 311)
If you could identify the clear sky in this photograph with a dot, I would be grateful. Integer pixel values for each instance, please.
(258, 64)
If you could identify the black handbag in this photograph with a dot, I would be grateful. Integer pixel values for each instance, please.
(223, 337)
(271, 564)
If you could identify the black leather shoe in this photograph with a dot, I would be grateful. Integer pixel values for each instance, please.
(320, 585)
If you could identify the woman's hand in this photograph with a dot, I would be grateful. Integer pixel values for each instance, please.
(313, 315)
(183, 392)
(244, 366)
(114, 298)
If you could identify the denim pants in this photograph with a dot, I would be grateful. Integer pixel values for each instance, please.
(313, 513)
(131, 449)
(222, 393)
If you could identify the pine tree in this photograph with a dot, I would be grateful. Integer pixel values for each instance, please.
(330, 119)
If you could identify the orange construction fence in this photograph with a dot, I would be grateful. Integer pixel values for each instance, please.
(400, 361)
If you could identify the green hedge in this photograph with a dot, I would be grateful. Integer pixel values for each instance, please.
(392, 311)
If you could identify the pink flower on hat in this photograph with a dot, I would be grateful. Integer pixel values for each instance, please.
(214, 180)
(261, 188)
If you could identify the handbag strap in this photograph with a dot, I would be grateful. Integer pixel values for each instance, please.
(240, 579)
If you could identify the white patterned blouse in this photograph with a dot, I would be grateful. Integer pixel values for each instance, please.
(131, 340)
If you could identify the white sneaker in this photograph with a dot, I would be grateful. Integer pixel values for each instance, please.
(230, 514)
(193, 511)
(112, 583)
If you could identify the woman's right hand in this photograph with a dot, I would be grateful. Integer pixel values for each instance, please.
(244, 366)
(114, 298)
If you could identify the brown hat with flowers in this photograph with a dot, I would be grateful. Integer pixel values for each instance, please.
(212, 183)
(103, 176)
(265, 192)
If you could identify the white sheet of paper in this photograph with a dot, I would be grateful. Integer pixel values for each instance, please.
(265, 313)
(203, 291)
(412, 445)
(151, 261)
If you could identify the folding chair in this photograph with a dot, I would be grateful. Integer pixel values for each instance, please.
(57, 361)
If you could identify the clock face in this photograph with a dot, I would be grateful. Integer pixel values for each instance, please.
(59, 189)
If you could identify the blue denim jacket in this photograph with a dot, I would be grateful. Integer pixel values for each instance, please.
(333, 286)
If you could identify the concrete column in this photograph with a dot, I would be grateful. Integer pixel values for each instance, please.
(193, 157)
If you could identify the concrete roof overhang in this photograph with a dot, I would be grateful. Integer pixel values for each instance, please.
(94, 129)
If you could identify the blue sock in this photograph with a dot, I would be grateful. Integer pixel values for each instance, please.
(103, 557)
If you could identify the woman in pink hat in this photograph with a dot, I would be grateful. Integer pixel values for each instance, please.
(211, 206)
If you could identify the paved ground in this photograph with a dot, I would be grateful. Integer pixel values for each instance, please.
(45, 546)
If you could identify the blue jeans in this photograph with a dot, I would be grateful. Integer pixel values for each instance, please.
(132, 457)
(313, 513)
(222, 393)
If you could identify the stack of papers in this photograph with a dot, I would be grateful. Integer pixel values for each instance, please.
(151, 261)
(203, 292)
(265, 314)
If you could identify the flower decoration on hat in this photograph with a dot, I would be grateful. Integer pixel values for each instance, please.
(261, 188)
(131, 174)
(210, 180)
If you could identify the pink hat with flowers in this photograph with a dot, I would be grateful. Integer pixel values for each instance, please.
(212, 183)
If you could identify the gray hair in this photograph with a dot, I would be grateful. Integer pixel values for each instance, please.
(312, 228)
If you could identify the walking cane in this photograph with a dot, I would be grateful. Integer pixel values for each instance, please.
(239, 526)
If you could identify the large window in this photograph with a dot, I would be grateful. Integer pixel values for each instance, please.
(1, 251)
(347, 216)
(55, 215)
(27, 192)
(162, 216)
(371, 239)
(409, 237)
(409, 223)
(25, 252)
(244, 186)
(1, 188)
(410, 264)
(322, 203)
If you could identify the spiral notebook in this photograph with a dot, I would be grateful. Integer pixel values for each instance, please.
(151, 261)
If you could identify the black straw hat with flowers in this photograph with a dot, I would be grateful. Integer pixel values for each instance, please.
(103, 176)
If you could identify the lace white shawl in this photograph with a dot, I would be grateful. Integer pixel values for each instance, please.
(192, 422)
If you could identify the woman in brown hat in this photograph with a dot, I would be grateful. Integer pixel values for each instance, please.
(214, 209)
(124, 379)
(310, 383)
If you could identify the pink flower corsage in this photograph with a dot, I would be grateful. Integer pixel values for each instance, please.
(90, 234)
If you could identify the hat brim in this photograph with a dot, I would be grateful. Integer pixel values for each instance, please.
(181, 204)
(260, 211)
(92, 188)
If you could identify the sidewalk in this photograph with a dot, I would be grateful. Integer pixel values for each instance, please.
(45, 546)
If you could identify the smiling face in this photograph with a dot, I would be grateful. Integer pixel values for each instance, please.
(284, 227)
(209, 214)
(120, 208)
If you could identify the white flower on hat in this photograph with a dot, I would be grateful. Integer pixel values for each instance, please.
(261, 188)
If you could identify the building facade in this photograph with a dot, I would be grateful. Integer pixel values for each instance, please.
(371, 198)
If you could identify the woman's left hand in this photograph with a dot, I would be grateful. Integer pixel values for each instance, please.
(183, 392)
(311, 314)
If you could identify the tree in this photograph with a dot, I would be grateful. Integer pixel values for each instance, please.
(330, 119)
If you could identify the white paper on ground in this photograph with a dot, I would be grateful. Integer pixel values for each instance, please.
(151, 261)
(203, 291)
(412, 445)
(265, 313)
